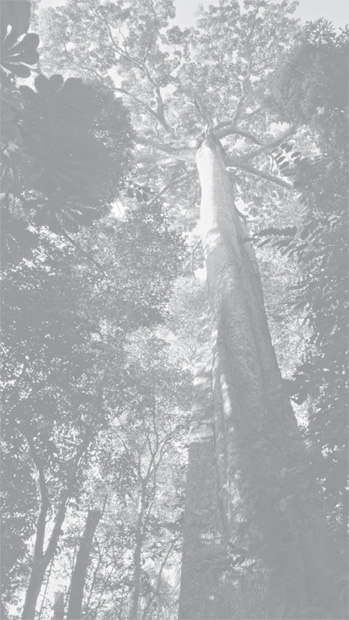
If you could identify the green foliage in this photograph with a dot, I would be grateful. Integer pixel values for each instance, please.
(311, 82)
(48, 394)
(66, 150)
(18, 48)
(66, 146)
(154, 248)
(311, 87)
(65, 322)
(135, 471)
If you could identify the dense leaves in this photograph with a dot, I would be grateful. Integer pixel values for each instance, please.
(66, 308)
(62, 141)
(311, 86)
(58, 173)
(42, 361)
(308, 84)
(65, 322)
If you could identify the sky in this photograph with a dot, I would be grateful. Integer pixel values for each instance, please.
(336, 11)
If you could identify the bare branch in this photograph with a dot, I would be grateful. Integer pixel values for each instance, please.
(137, 100)
(169, 73)
(243, 95)
(265, 147)
(254, 112)
(202, 109)
(45, 502)
(227, 129)
(262, 175)
(180, 177)
(183, 153)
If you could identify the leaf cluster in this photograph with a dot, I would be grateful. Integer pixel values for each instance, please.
(310, 87)
(65, 145)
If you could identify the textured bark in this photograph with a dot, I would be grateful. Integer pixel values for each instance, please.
(81, 565)
(255, 544)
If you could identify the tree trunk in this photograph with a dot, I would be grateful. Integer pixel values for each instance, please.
(255, 545)
(137, 558)
(41, 560)
(81, 564)
(58, 607)
(35, 582)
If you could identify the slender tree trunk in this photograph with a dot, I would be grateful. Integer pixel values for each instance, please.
(41, 558)
(36, 578)
(255, 545)
(137, 558)
(81, 564)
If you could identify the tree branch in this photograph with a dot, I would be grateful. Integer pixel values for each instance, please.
(265, 147)
(180, 177)
(45, 502)
(137, 100)
(242, 97)
(247, 77)
(159, 114)
(254, 112)
(183, 153)
(262, 175)
(227, 129)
